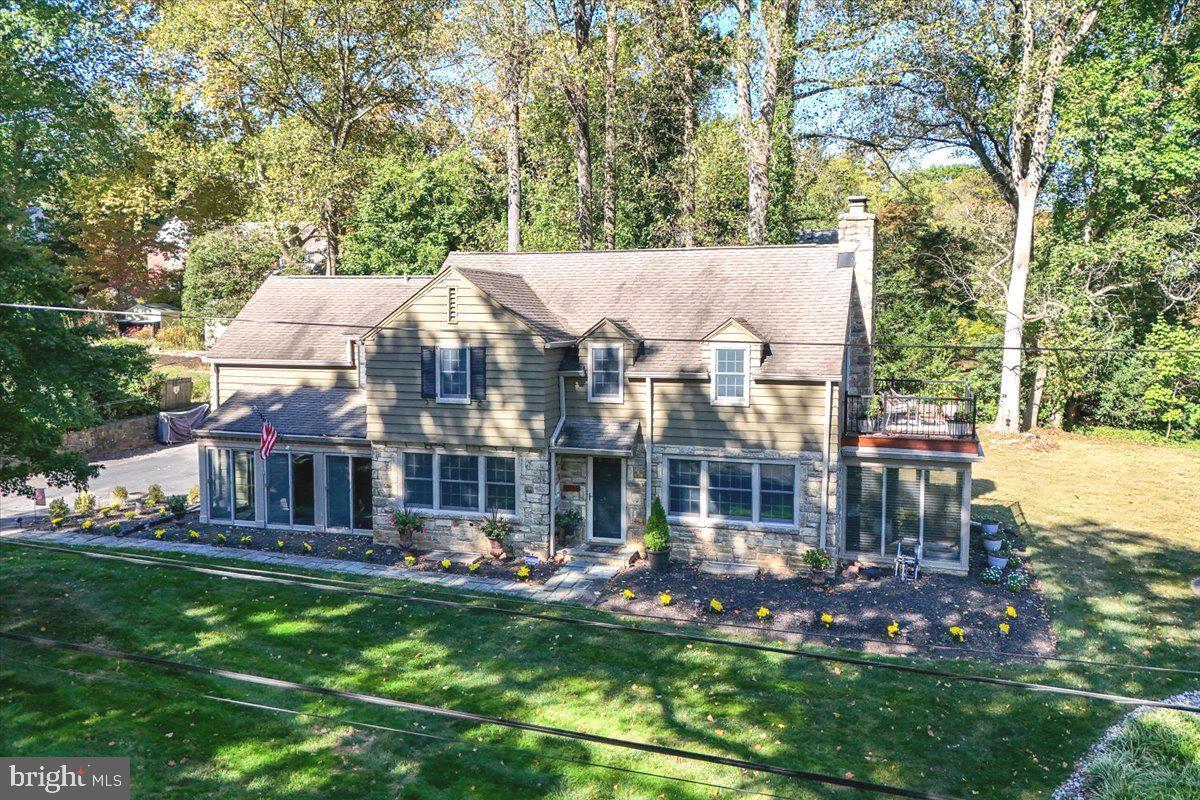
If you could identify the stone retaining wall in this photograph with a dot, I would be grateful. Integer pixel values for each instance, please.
(113, 437)
(452, 530)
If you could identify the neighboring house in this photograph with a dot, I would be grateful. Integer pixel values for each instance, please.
(733, 383)
(154, 316)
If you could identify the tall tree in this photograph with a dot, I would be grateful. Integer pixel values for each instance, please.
(514, 57)
(346, 69)
(982, 77)
(609, 221)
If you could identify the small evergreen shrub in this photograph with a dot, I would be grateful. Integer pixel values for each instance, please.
(658, 534)
(59, 508)
(155, 495)
(120, 495)
(176, 504)
(85, 503)
(193, 495)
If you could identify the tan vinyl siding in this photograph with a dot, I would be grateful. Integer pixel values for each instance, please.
(578, 406)
(232, 379)
(514, 413)
(781, 416)
(553, 411)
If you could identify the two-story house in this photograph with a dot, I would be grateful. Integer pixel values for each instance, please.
(733, 383)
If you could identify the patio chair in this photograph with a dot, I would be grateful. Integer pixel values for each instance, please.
(908, 560)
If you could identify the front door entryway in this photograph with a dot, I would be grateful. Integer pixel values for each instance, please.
(606, 503)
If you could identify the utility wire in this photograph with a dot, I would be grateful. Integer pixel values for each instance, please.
(756, 629)
(683, 340)
(484, 719)
(312, 583)
(453, 741)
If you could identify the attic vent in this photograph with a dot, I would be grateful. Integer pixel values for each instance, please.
(452, 304)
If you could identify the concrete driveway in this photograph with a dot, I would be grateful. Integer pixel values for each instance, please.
(174, 468)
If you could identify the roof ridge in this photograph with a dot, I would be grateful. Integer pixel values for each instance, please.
(756, 247)
(405, 278)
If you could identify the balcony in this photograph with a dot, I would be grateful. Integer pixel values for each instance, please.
(912, 410)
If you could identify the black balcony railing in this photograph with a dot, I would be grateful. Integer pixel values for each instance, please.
(913, 409)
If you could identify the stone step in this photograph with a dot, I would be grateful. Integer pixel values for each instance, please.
(729, 569)
(459, 557)
(613, 556)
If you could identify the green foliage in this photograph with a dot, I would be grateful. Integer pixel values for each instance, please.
(176, 504)
(657, 537)
(119, 495)
(179, 337)
(497, 529)
(1155, 755)
(407, 523)
(224, 268)
(155, 495)
(59, 508)
(415, 211)
(122, 383)
(193, 495)
(816, 558)
(85, 503)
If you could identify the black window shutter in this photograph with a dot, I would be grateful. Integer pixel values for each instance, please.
(478, 373)
(428, 376)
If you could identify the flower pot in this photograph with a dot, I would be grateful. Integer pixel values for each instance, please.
(498, 549)
(660, 560)
(997, 561)
(990, 526)
(818, 577)
(866, 425)
(992, 545)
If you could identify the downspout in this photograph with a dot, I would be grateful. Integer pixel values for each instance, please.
(825, 461)
(649, 446)
(562, 419)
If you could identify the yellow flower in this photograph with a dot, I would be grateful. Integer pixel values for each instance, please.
(193, 535)
(57, 522)
(445, 563)
(341, 549)
(410, 560)
(279, 543)
(716, 605)
(307, 547)
(87, 525)
(826, 619)
(220, 538)
(474, 567)
(523, 573)
(958, 634)
(1004, 629)
(763, 612)
(893, 629)
(160, 533)
(628, 595)
(1010, 612)
(247, 539)
(664, 599)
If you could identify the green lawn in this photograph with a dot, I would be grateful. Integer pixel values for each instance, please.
(1121, 597)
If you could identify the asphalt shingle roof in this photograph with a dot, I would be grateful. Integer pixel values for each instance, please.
(299, 411)
(588, 433)
(340, 306)
(794, 293)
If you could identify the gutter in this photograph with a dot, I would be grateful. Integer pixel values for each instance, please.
(208, 434)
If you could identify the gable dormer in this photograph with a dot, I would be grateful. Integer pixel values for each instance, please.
(733, 353)
(607, 350)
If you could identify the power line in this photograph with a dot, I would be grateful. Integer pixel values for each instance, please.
(342, 326)
(756, 629)
(313, 583)
(90, 676)
(484, 719)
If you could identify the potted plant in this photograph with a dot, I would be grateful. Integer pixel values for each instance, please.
(999, 558)
(408, 524)
(658, 538)
(990, 526)
(958, 422)
(566, 524)
(992, 538)
(869, 419)
(497, 532)
(818, 561)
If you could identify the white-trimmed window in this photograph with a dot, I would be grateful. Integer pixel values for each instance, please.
(740, 491)
(454, 374)
(458, 482)
(731, 374)
(231, 484)
(604, 373)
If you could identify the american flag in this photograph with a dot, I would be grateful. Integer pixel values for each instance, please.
(266, 441)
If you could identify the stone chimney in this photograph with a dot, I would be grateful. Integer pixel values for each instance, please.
(856, 249)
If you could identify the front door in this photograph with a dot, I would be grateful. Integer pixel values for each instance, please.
(606, 511)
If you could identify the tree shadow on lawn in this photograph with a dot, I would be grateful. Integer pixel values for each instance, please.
(877, 724)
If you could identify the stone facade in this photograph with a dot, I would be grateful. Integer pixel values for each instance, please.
(463, 531)
(774, 548)
(573, 493)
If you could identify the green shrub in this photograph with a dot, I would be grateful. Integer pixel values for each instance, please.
(658, 533)
(155, 495)
(59, 508)
(179, 337)
(85, 503)
(176, 504)
(407, 523)
(119, 495)
(122, 380)
(817, 558)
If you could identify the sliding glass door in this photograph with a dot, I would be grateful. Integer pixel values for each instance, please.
(289, 489)
(888, 505)
(231, 485)
(348, 502)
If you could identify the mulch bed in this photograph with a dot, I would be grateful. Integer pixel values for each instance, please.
(346, 547)
(925, 609)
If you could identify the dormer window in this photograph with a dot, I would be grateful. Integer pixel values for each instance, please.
(604, 373)
(731, 375)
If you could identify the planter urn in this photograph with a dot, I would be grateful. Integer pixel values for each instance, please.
(990, 526)
(992, 545)
(498, 550)
(818, 577)
(996, 560)
(660, 560)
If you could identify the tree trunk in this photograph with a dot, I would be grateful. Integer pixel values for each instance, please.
(1008, 407)
(1034, 409)
(687, 189)
(512, 151)
(333, 237)
(577, 101)
(610, 127)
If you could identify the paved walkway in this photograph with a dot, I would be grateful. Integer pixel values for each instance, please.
(578, 583)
